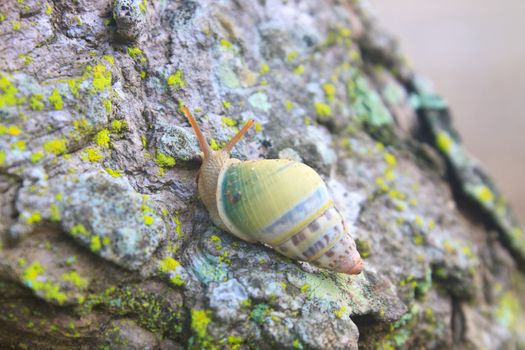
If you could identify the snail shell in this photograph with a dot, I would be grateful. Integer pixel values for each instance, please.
(281, 203)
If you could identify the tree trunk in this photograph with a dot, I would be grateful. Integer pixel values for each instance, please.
(104, 243)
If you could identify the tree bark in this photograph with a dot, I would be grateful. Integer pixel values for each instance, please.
(104, 243)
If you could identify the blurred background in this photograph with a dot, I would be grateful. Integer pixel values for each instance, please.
(474, 52)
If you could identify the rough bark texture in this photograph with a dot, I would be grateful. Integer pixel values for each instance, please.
(104, 243)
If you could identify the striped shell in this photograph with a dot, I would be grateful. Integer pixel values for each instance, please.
(287, 206)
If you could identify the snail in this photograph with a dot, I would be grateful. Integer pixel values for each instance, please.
(280, 203)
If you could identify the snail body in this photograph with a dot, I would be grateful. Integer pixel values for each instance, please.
(281, 203)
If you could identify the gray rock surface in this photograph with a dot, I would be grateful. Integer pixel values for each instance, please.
(104, 243)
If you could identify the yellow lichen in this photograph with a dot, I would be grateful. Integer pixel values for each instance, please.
(341, 311)
(329, 90)
(49, 10)
(390, 159)
(291, 56)
(92, 154)
(45, 286)
(101, 78)
(444, 142)
(55, 146)
(484, 194)
(26, 59)
(56, 100)
(114, 173)
(2, 157)
(109, 59)
(265, 69)
(16, 25)
(323, 110)
(118, 125)
(102, 138)
(298, 70)
(225, 43)
(229, 121)
(168, 264)
(176, 81)
(35, 102)
(148, 219)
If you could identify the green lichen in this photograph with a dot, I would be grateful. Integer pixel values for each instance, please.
(113, 172)
(54, 213)
(109, 59)
(2, 157)
(363, 247)
(8, 93)
(56, 100)
(95, 244)
(26, 59)
(259, 100)
(226, 121)
(234, 342)
(101, 78)
(259, 313)
(102, 138)
(164, 160)
(56, 146)
(35, 102)
(16, 25)
(137, 54)
(75, 279)
(299, 70)
(49, 10)
(108, 105)
(228, 77)
(200, 319)
(291, 56)
(34, 217)
(79, 229)
(150, 311)
(37, 156)
(176, 81)
(118, 125)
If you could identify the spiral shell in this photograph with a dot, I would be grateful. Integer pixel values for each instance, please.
(283, 204)
(287, 206)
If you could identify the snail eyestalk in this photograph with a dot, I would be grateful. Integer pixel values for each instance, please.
(237, 137)
(203, 143)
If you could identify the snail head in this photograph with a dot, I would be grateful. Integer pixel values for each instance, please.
(203, 143)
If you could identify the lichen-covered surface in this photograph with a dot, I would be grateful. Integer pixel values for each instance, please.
(105, 245)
